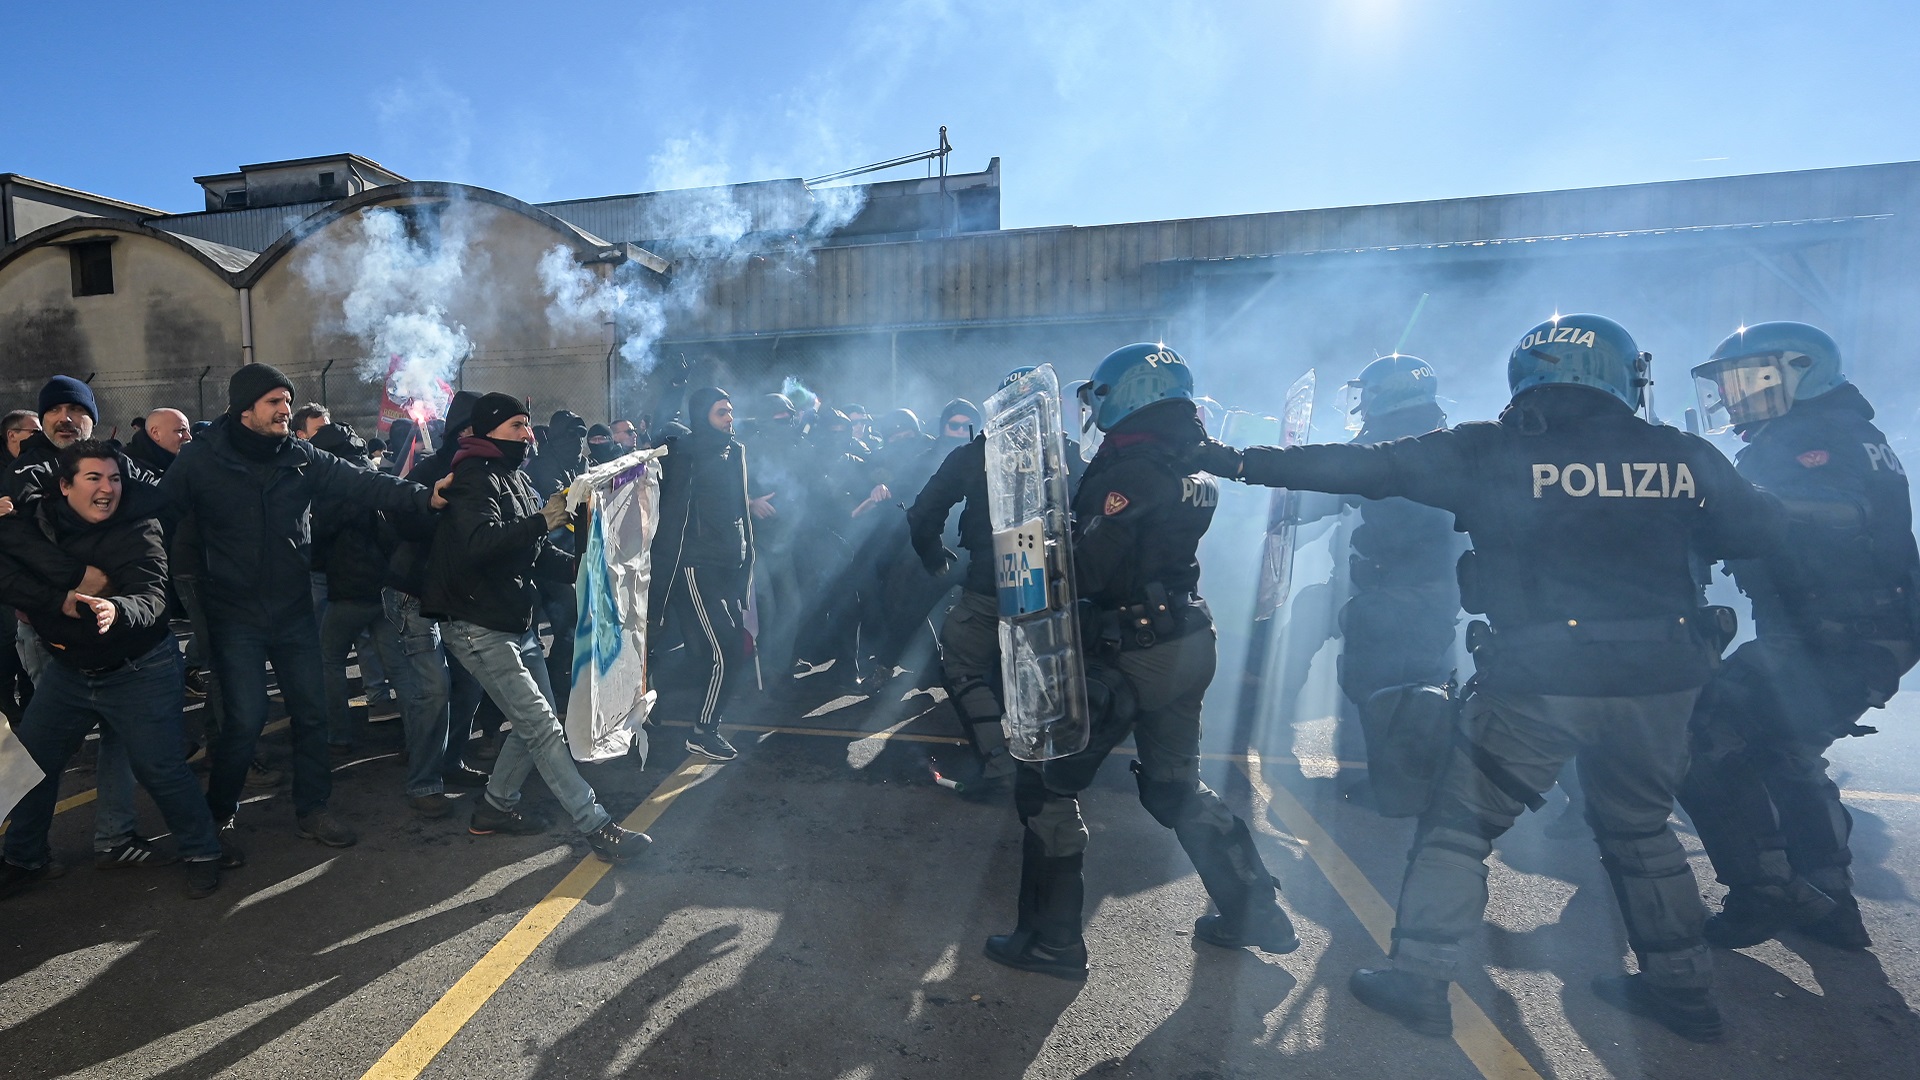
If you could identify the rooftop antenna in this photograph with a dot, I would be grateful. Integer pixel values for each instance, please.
(938, 153)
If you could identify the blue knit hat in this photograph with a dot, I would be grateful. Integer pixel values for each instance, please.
(67, 390)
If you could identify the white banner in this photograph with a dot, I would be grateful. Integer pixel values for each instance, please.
(18, 773)
(612, 690)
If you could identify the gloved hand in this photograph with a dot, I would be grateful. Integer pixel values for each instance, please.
(556, 510)
(1213, 456)
(939, 561)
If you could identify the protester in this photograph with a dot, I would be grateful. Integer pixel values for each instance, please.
(487, 548)
(351, 547)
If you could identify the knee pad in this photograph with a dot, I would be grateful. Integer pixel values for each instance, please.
(1458, 842)
(1057, 826)
(1110, 697)
(1029, 792)
(1169, 801)
(1643, 855)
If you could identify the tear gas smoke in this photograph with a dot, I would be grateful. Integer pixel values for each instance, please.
(399, 274)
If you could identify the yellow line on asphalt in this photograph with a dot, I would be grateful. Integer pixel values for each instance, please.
(1473, 1030)
(431, 1034)
(1888, 796)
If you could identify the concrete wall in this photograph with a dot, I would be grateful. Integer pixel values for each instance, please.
(168, 317)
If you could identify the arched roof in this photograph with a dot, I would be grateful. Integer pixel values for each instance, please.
(584, 243)
(229, 263)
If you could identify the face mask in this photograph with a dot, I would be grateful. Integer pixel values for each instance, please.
(513, 450)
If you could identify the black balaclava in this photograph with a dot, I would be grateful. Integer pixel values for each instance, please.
(961, 407)
(700, 403)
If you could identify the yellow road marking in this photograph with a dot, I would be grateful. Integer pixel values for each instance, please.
(416, 1049)
(1473, 1031)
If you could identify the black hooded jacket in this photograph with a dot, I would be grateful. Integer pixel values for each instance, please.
(46, 549)
(704, 521)
(253, 516)
(154, 457)
(962, 476)
(491, 542)
(1849, 561)
(1398, 541)
(351, 544)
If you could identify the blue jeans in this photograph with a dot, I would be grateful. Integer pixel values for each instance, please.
(241, 652)
(141, 702)
(346, 623)
(512, 669)
(425, 683)
(114, 819)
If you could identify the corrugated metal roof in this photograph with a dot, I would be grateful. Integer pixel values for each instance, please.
(231, 259)
(248, 230)
(692, 214)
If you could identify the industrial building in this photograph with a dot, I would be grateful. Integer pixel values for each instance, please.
(909, 291)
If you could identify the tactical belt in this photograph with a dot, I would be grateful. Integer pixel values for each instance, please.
(1595, 631)
(1163, 617)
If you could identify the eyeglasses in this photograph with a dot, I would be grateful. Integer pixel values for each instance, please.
(959, 426)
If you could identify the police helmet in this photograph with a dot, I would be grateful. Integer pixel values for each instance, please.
(1132, 378)
(1759, 371)
(1014, 376)
(1581, 350)
(1391, 383)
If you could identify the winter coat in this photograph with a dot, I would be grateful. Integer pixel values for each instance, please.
(44, 552)
(489, 545)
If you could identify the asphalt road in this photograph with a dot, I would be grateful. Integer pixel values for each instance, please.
(816, 909)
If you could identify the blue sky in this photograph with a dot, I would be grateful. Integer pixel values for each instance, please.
(1101, 111)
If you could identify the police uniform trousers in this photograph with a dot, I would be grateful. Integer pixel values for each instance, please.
(970, 663)
(1632, 754)
(1758, 790)
(1165, 684)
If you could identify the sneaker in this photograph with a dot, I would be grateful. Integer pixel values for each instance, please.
(1024, 950)
(708, 742)
(260, 776)
(232, 855)
(1417, 1001)
(203, 878)
(1268, 930)
(196, 683)
(464, 777)
(487, 821)
(325, 828)
(430, 806)
(15, 878)
(615, 844)
(138, 851)
(1841, 928)
(1690, 1014)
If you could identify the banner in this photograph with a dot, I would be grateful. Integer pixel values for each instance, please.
(616, 509)
(1276, 555)
(18, 773)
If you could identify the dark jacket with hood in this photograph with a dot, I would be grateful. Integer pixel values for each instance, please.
(962, 476)
(1586, 522)
(1849, 562)
(704, 521)
(45, 548)
(155, 458)
(252, 495)
(351, 544)
(491, 541)
(412, 533)
(37, 461)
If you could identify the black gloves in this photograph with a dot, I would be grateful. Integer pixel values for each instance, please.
(939, 560)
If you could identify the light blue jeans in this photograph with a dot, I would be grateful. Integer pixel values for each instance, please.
(512, 669)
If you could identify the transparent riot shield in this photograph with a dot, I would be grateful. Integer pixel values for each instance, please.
(1276, 557)
(1043, 671)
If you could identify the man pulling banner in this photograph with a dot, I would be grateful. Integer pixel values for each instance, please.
(616, 508)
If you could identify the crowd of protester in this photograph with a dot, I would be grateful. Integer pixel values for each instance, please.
(162, 581)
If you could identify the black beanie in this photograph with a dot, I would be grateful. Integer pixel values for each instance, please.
(493, 410)
(251, 383)
(67, 390)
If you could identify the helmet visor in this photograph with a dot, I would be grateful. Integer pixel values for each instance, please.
(1090, 434)
(1742, 390)
(1353, 405)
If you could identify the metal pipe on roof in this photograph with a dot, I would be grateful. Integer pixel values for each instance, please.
(246, 326)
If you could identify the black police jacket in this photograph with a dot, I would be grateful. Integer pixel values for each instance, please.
(1140, 512)
(1582, 517)
(961, 477)
(1399, 542)
(489, 545)
(45, 550)
(1849, 561)
(253, 518)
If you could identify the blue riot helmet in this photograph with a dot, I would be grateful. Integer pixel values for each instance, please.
(1582, 350)
(1014, 377)
(1389, 384)
(1130, 379)
(1759, 371)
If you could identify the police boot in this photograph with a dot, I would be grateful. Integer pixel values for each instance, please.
(1418, 1001)
(1047, 938)
(1242, 890)
(1688, 1013)
(1754, 913)
(1842, 927)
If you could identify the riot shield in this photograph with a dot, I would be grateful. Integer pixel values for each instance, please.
(1276, 556)
(1042, 670)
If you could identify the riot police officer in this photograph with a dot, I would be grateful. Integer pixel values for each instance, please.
(970, 634)
(1139, 514)
(1582, 517)
(1833, 611)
